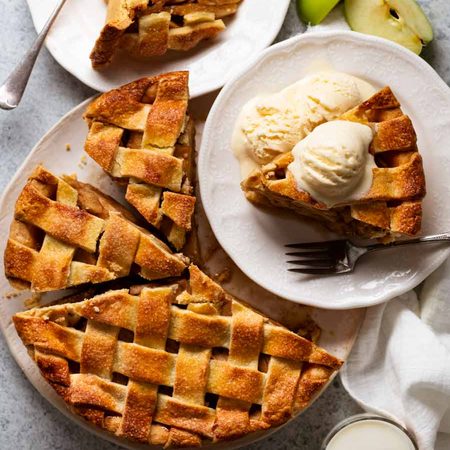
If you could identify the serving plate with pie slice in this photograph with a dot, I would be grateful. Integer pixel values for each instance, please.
(61, 151)
(255, 238)
(211, 64)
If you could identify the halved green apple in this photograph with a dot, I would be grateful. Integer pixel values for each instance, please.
(314, 11)
(401, 21)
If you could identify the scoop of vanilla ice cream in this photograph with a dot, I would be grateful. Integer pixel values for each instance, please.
(333, 163)
(273, 124)
(323, 97)
(267, 126)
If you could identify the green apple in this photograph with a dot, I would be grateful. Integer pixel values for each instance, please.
(314, 11)
(401, 21)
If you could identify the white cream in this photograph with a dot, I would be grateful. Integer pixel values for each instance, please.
(333, 163)
(273, 124)
(370, 435)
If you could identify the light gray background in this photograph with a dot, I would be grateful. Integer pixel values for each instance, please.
(27, 421)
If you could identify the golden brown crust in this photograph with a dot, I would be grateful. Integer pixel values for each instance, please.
(220, 343)
(64, 222)
(145, 29)
(103, 144)
(120, 15)
(140, 134)
(391, 208)
(67, 233)
(312, 380)
(179, 208)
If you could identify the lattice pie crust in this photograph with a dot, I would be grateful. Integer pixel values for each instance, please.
(67, 233)
(174, 365)
(146, 28)
(141, 135)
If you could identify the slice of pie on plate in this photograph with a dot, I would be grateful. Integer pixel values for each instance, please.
(66, 233)
(146, 28)
(177, 364)
(392, 206)
(141, 135)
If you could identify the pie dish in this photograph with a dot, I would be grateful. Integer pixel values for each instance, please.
(393, 205)
(144, 28)
(176, 364)
(141, 135)
(337, 329)
(66, 233)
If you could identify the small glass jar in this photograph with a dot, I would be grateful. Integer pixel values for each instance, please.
(371, 432)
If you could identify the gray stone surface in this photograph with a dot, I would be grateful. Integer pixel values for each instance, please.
(27, 421)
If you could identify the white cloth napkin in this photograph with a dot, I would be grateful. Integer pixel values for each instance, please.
(400, 364)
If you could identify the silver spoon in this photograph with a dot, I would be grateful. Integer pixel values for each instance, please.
(13, 88)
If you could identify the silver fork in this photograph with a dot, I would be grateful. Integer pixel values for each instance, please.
(341, 256)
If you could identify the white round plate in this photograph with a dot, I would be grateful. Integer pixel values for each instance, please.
(211, 64)
(339, 328)
(255, 238)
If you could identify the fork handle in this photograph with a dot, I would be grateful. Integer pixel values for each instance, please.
(444, 237)
(14, 86)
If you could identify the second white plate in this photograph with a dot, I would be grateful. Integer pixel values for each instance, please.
(211, 64)
(255, 238)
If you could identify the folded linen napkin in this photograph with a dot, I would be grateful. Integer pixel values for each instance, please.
(400, 364)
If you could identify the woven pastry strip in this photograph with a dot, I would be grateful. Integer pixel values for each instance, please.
(393, 205)
(67, 233)
(176, 364)
(140, 134)
(146, 28)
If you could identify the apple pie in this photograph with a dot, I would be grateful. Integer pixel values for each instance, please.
(66, 233)
(141, 135)
(176, 364)
(146, 28)
(392, 207)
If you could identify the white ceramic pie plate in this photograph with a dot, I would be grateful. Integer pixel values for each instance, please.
(255, 238)
(211, 64)
(339, 328)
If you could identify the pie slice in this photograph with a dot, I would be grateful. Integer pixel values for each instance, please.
(66, 233)
(146, 28)
(176, 364)
(141, 135)
(393, 205)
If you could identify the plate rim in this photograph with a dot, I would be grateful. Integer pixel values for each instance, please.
(198, 92)
(224, 96)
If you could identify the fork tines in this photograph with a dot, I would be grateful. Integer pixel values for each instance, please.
(317, 258)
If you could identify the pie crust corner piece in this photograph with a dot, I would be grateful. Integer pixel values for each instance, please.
(67, 233)
(146, 28)
(393, 206)
(142, 136)
(176, 364)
